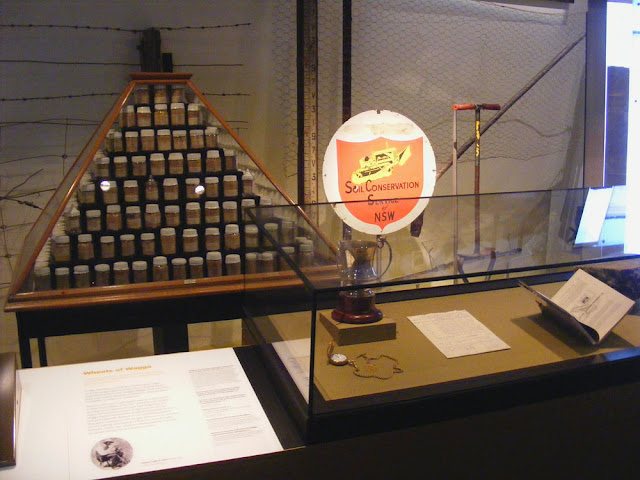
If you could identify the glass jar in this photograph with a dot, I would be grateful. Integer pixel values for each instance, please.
(178, 94)
(211, 187)
(247, 184)
(177, 114)
(232, 264)
(251, 236)
(62, 278)
(114, 218)
(127, 245)
(160, 269)
(176, 163)
(194, 115)
(246, 204)
(120, 167)
(120, 273)
(129, 117)
(211, 212)
(213, 163)
(131, 141)
(72, 220)
(214, 264)
(139, 268)
(102, 167)
(85, 247)
(267, 262)
(271, 230)
(230, 186)
(193, 213)
(141, 95)
(61, 248)
(94, 220)
(164, 140)
(192, 189)
(148, 139)
(251, 262)
(148, 244)
(81, 276)
(194, 162)
(168, 241)
(108, 141)
(196, 139)
(131, 191)
(102, 271)
(196, 267)
(118, 144)
(287, 232)
(179, 139)
(109, 192)
(87, 194)
(156, 160)
(160, 115)
(290, 252)
(151, 190)
(172, 215)
(190, 240)
(143, 116)
(152, 217)
(160, 94)
(107, 247)
(139, 166)
(230, 161)
(170, 189)
(211, 137)
(230, 212)
(179, 268)
(133, 217)
(42, 279)
(231, 237)
(212, 238)
(305, 254)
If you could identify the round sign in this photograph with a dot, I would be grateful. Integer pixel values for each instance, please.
(376, 167)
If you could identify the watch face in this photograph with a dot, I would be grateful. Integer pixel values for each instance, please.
(338, 359)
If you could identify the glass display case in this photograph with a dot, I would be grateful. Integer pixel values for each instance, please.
(353, 349)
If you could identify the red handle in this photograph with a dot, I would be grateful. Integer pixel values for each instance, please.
(490, 106)
(464, 106)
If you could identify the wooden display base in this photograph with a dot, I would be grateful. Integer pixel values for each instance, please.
(351, 334)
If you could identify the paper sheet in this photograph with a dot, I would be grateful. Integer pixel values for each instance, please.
(457, 333)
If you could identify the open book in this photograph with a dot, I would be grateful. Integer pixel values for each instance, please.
(586, 305)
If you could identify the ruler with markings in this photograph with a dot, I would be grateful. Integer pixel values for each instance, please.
(310, 102)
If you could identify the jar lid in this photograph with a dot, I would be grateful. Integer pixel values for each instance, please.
(179, 133)
(229, 205)
(159, 261)
(170, 182)
(189, 232)
(271, 226)
(160, 106)
(139, 265)
(266, 256)
(130, 184)
(196, 261)
(138, 159)
(164, 131)
(194, 156)
(306, 247)
(133, 209)
(197, 133)
(147, 236)
(142, 109)
(232, 258)
(167, 231)
(247, 176)
(84, 237)
(229, 152)
(131, 134)
(211, 130)
(193, 106)
(129, 109)
(230, 178)
(212, 231)
(121, 266)
(103, 160)
(102, 267)
(176, 155)
(147, 132)
(81, 269)
(232, 228)
(177, 105)
(213, 154)
(248, 202)
(251, 228)
(127, 237)
(93, 213)
(289, 250)
(113, 208)
(117, 134)
(214, 256)
(211, 204)
(156, 157)
(179, 261)
(251, 256)
(120, 160)
(286, 224)
(88, 187)
(192, 181)
(193, 206)
(172, 209)
(61, 271)
(107, 239)
(74, 212)
(211, 180)
(152, 208)
(62, 238)
(265, 201)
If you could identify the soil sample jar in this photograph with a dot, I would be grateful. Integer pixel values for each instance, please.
(232, 264)
(230, 186)
(178, 94)
(170, 190)
(212, 238)
(143, 116)
(213, 163)
(271, 232)
(114, 218)
(172, 215)
(230, 161)
(127, 245)
(133, 217)
(247, 184)
(305, 254)
(151, 193)
(87, 194)
(109, 192)
(85, 247)
(196, 267)
(129, 118)
(230, 212)
(251, 262)
(211, 187)
(164, 140)
(246, 204)
(196, 139)
(179, 268)
(290, 252)
(177, 114)
(214, 264)
(179, 139)
(194, 115)
(211, 137)
(190, 240)
(120, 273)
(102, 167)
(176, 163)
(192, 215)
(267, 262)
(108, 141)
(42, 279)
(191, 190)
(148, 139)
(232, 237)
(139, 268)
(211, 212)
(251, 236)
(161, 115)
(120, 167)
(107, 247)
(131, 191)
(81, 276)
(72, 220)
(160, 269)
(194, 162)
(139, 166)
(94, 220)
(141, 95)
(160, 94)
(102, 271)
(152, 217)
(168, 241)
(62, 278)
(131, 141)
(287, 232)
(156, 160)
(118, 144)
(61, 248)
(148, 244)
